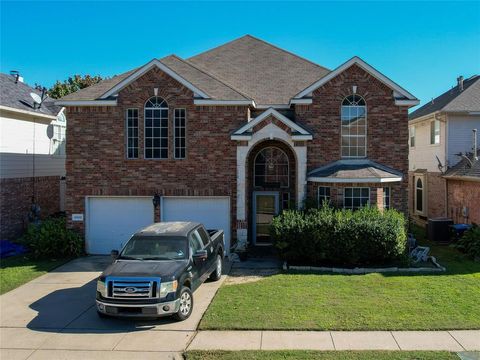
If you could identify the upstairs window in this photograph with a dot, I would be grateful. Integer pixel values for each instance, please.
(179, 128)
(412, 136)
(271, 168)
(354, 127)
(132, 133)
(156, 128)
(435, 132)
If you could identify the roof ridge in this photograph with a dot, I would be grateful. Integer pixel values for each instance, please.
(288, 52)
(213, 76)
(264, 42)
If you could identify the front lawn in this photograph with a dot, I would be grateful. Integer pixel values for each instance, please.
(354, 302)
(17, 270)
(320, 355)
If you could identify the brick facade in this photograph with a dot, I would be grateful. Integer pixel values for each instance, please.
(97, 165)
(16, 199)
(463, 194)
(435, 197)
(387, 126)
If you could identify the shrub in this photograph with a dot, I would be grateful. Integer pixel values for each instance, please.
(52, 239)
(340, 237)
(470, 242)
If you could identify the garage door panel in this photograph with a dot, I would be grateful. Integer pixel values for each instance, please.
(213, 212)
(113, 220)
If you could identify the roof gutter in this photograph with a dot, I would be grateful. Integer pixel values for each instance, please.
(353, 180)
(86, 102)
(224, 102)
(31, 113)
(463, 178)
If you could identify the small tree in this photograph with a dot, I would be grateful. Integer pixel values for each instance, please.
(72, 84)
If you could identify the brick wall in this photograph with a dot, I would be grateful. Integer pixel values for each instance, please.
(435, 200)
(16, 200)
(387, 125)
(460, 194)
(96, 161)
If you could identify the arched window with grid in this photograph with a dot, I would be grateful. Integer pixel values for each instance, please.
(156, 128)
(354, 127)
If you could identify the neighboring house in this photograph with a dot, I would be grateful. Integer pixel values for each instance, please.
(441, 129)
(32, 156)
(230, 137)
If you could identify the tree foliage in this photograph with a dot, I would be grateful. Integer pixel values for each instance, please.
(72, 84)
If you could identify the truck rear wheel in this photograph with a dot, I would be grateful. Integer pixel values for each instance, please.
(217, 273)
(186, 304)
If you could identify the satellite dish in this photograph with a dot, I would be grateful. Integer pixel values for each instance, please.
(36, 99)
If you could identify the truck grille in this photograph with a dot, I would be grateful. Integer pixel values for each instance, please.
(132, 288)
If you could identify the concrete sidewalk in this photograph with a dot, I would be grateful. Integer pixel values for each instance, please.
(458, 340)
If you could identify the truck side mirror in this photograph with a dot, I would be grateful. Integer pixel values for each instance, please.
(200, 255)
(114, 254)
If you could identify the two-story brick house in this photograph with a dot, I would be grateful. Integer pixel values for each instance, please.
(230, 137)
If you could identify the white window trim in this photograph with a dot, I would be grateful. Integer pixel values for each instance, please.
(127, 137)
(174, 137)
(355, 187)
(357, 136)
(424, 189)
(412, 129)
(145, 132)
(434, 123)
(389, 197)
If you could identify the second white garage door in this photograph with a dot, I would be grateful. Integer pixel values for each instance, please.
(213, 212)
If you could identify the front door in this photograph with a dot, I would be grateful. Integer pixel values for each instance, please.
(265, 207)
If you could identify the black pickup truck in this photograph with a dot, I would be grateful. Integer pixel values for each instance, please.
(157, 271)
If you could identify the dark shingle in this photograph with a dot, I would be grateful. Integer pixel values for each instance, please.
(454, 100)
(354, 169)
(465, 168)
(17, 96)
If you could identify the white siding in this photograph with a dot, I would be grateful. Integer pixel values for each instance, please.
(422, 156)
(460, 137)
(21, 136)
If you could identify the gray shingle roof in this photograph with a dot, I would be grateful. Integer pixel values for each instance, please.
(354, 169)
(454, 100)
(463, 168)
(17, 96)
(264, 72)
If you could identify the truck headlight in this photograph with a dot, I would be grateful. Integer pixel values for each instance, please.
(101, 287)
(168, 287)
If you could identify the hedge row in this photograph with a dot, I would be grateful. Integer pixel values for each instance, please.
(340, 237)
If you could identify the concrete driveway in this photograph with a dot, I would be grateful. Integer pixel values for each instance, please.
(54, 317)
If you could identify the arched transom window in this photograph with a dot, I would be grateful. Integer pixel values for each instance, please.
(156, 128)
(419, 195)
(354, 127)
(271, 168)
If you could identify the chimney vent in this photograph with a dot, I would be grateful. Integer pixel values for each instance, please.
(460, 83)
(17, 76)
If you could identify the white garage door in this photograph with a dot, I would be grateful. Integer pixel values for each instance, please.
(111, 221)
(213, 212)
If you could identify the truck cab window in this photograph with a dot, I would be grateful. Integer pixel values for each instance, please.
(195, 242)
(203, 236)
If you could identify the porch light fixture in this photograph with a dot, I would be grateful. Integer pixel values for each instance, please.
(354, 89)
(156, 200)
(155, 91)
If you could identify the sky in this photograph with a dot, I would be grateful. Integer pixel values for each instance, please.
(423, 46)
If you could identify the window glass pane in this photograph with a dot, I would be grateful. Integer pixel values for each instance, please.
(353, 129)
(156, 128)
(132, 133)
(271, 168)
(203, 236)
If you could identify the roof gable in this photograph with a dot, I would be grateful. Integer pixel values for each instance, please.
(246, 130)
(403, 97)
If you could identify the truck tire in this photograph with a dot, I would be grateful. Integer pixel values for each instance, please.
(186, 304)
(217, 273)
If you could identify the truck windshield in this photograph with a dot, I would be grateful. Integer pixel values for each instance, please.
(155, 248)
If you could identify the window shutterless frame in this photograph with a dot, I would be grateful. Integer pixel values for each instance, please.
(156, 119)
(363, 193)
(323, 194)
(352, 111)
(131, 133)
(179, 140)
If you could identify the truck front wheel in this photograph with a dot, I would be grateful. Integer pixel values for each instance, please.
(186, 304)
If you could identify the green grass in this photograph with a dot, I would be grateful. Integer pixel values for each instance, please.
(17, 270)
(354, 302)
(320, 355)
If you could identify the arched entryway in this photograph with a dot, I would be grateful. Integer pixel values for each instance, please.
(271, 186)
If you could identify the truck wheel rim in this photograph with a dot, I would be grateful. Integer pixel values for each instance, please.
(185, 303)
(219, 266)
